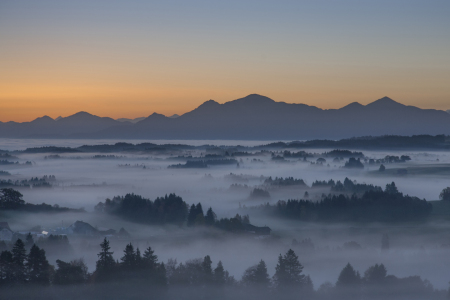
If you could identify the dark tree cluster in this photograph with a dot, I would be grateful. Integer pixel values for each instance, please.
(395, 159)
(343, 153)
(323, 183)
(133, 266)
(111, 156)
(139, 276)
(4, 173)
(18, 267)
(353, 187)
(372, 206)
(354, 163)
(170, 209)
(11, 199)
(299, 154)
(34, 182)
(259, 193)
(281, 182)
(7, 162)
(236, 224)
(390, 142)
(376, 284)
(349, 186)
(204, 163)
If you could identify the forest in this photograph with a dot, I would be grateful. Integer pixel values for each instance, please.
(136, 273)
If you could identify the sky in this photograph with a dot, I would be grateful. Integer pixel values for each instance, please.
(132, 58)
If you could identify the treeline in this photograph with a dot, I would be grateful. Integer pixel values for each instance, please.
(373, 206)
(44, 181)
(348, 186)
(204, 163)
(196, 278)
(371, 142)
(288, 181)
(170, 209)
(11, 199)
(7, 162)
(196, 218)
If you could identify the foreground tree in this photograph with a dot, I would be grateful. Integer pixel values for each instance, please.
(105, 265)
(19, 256)
(37, 266)
(348, 284)
(74, 272)
(288, 272)
(6, 268)
(257, 276)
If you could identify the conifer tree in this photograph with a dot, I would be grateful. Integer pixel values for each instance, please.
(348, 277)
(105, 264)
(219, 274)
(207, 269)
(149, 258)
(210, 218)
(38, 268)
(19, 256)
(6, 267)
(257, 275)
(129, 257)
(192, 215)
(288, 270)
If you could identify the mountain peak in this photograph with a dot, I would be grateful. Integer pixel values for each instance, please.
(352, 106)
(384, 102)
(253, 99)
(43, 119)
(81, 113)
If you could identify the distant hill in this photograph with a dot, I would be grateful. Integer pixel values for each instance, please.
(130, 120)
(254, 117)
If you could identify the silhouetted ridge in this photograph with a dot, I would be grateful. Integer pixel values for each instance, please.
(352, 106)
(254, 117)
(384, 103)
(253, 99)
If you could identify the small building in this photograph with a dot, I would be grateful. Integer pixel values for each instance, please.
(257, 230)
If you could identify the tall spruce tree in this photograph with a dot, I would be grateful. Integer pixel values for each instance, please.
(129, 257)
(288, 272)
(191, 216)
(19, 256)
(6, 268)
(37, 266)
(149, 258)
(348, 277)
(257, 276)
(105, 264)
(219, 274)
(210, 218)
(207, 269)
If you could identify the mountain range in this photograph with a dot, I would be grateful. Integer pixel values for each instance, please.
(253, 117)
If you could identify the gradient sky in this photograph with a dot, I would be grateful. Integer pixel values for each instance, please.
(133, 58)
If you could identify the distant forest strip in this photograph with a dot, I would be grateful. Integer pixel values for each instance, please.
(391, 142)
(11, 200)
(171, 209)
(138, 276)
(373, 206)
